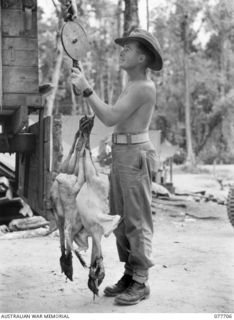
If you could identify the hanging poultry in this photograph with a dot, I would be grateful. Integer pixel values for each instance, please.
(79, 197)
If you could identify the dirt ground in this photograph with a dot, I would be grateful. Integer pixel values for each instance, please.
(193, 272)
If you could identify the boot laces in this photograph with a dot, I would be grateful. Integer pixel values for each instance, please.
(133, 287)
(125, 278)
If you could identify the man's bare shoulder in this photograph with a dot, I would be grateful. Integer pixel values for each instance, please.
(144, 90)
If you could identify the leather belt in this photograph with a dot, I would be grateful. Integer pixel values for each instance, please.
(130, 138)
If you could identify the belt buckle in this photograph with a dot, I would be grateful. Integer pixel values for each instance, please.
(129, 138)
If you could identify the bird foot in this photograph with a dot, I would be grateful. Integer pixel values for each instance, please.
(96, 275)
(66, 265)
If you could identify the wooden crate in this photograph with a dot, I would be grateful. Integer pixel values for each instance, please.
(18, 56)
(19, 93)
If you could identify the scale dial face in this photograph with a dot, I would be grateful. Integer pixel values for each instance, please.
(74, 40)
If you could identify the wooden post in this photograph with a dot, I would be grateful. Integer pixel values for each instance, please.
(41, 160)
(16, 171)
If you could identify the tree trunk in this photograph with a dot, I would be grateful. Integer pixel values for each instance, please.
(222, 143)
(105, 80)
(223, 59)
(118, 84)
(57, 68)
(190, 161)
(131, 18)
(131, 21)
(190, 154)
(105, 77)
(57, 143)
(147, 15)
(119, 17)
(55, 80)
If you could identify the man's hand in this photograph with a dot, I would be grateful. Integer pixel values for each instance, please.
(78, 80)
(70, 10)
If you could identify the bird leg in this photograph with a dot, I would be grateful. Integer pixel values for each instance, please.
(81, 139)
(97, 271)
(65, 165)
(66, 264)
(67, 199)
(96, 275)
(86, 125)
(59, 216)
(89, 168)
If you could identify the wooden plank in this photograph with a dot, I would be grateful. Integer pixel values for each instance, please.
(17, 29)
(12, 5)
(18, 120)
(29, 173)
(15, 4)
(17, 170)
(20, 79)
(6, 112)
(19, 52)
(14, 100)
(1, 94)
(169, 203)
(17, 143)
(41, 161)
(20, 170)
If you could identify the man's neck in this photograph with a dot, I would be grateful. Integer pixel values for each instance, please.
(136, 75)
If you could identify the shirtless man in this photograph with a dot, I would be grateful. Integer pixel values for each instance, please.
(133, 161)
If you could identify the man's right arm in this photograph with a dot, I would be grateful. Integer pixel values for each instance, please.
(136, 96)
(124, 107)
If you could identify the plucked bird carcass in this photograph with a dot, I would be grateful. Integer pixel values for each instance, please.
(79, 197)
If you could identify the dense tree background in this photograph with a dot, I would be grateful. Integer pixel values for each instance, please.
(197, 39)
